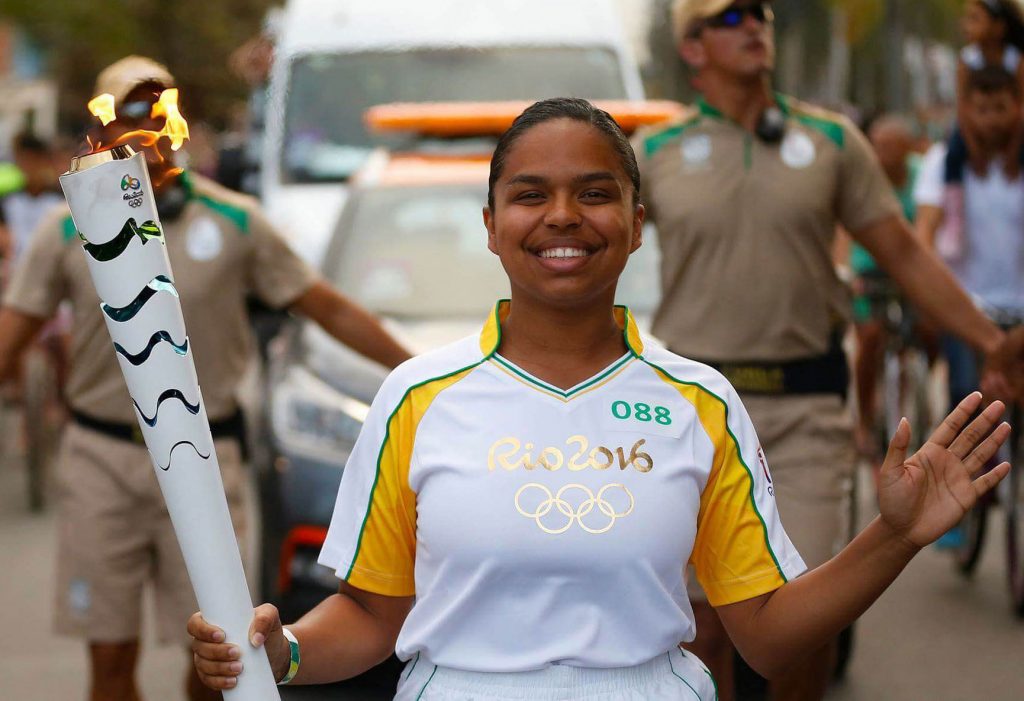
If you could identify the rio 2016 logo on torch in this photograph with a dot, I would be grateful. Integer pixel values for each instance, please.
(132, 188)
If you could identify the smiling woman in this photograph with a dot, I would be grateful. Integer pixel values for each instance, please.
(562, 462)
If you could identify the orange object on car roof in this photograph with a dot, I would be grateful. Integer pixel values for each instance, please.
(405, 169)
(454, 119)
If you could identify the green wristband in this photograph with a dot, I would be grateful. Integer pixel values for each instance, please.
(293, 649)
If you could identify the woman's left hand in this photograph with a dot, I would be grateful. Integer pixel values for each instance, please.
(923, 496)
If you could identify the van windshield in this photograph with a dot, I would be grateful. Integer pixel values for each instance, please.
(325, 138)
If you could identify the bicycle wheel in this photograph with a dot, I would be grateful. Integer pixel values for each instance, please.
(973, 527)
(40, 430)
(916, 405)
(1014, 505)
(891, 395)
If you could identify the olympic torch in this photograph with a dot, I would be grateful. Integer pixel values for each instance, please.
(114, 210)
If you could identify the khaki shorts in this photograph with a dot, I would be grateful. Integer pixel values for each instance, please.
(808, 441)
(115, 536)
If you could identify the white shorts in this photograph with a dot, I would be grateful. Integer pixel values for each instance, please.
(673, 676)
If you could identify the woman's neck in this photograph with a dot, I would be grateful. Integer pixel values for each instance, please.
(563, 347)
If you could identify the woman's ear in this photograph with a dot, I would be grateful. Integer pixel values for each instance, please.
(492, 243)
(638, 228)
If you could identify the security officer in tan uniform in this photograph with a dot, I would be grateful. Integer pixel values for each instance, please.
(747, 192)
(114, 531)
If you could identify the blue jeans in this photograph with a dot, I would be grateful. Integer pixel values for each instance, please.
(963, 362)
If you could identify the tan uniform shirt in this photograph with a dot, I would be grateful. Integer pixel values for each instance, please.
(221, 250)
(746, 230)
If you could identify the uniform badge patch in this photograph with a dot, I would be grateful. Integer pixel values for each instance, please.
(798, 150)
(204, 240)
(696, 149)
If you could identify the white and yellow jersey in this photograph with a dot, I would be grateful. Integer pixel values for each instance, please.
(538, 526)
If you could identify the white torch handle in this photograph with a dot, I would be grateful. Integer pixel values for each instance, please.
(113, 208)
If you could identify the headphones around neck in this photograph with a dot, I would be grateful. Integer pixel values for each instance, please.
(771, 126)
(171, 202)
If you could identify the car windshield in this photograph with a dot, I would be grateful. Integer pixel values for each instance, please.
(325, 138)
(421, 253)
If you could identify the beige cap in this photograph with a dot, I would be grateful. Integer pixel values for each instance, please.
(123, 76)
(686, 12)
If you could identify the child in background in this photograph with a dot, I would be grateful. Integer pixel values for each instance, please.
(994, 30)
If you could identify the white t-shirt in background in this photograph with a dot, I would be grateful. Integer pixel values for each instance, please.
(992, 267)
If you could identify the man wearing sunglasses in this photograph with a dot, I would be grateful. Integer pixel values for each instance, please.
(114, 534)
(747, 191)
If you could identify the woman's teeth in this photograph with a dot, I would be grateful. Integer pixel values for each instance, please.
(564, 253)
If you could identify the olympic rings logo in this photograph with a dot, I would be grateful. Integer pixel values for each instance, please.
(579, 513)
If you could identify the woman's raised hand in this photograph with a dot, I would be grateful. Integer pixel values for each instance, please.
(923, 496)
(218, 662)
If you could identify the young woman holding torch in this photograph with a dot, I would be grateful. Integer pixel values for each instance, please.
(517, 513)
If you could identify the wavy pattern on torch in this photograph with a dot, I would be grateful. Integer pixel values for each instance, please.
(110, 250)
(161, 283)
(170, 455)
(143, 355)
(164, 396)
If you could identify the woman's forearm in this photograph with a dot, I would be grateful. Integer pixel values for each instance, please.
(339, 639)
(811, 610)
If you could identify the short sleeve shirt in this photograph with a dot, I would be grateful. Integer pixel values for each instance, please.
(221, 249)
(536, 525)
(746, 230)
(992, 265)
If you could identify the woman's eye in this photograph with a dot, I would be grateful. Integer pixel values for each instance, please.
(528, 197)
(595, 194)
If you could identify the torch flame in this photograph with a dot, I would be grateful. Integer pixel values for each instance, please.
(175, 126)
(102, 106)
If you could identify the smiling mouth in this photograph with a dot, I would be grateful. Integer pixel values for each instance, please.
(565, 252)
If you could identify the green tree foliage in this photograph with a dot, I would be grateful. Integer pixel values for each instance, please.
(192, 37)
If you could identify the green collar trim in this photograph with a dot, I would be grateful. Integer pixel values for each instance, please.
(236, 215)
(832, 129)
(708, 110)
(564, 394)
(655, 142)
(490, 335)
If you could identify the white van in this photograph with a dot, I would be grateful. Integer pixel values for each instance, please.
(335, 58)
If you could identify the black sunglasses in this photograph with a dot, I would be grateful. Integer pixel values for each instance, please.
(733, 17)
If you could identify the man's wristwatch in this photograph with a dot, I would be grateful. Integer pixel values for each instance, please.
(293, 664)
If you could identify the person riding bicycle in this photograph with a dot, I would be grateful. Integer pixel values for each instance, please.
(893, 144)
(747, 192)
(990, 264)
(114, 533)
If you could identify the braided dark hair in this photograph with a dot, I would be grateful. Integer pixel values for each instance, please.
(564, 108)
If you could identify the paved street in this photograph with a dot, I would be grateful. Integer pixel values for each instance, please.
(932, 637)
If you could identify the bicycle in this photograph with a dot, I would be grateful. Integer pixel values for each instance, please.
(1009, 495)
(902, 385)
